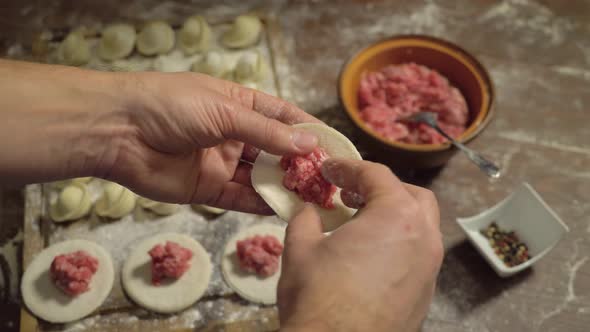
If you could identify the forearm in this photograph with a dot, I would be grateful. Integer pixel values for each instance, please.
(57, 122)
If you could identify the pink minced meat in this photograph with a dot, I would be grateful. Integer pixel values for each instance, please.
(303, 176)
(260, 254)
(399, 91)
(169, 261)
(73, 272)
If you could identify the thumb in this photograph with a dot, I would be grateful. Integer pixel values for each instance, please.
(303, 232)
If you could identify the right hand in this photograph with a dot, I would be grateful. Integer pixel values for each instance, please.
(376, 272)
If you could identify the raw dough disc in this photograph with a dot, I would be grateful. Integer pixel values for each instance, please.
(267, 178)
(171, 295)
(248, 285)
(48, 302)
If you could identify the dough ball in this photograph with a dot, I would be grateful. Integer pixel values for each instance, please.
(117, 41)
(244, 32)
(195, 35)
(212, 64)
(156, 37)
(74, 50)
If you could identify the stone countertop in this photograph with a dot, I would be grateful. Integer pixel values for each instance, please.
(538, 53)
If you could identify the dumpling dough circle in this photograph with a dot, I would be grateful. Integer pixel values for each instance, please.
(248, 285)
(211, 64)
(156, 37)
(117, 41)
(244, 32)
(160, 208)
(170, 296)
(72, 203)
(195, 35)
(115, 202)
(267, 178)
(74, 50)
(48, 302)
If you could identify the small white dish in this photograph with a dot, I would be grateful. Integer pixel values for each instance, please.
(525, 213)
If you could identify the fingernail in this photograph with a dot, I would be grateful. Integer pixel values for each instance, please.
(331, 171)
(304, 140)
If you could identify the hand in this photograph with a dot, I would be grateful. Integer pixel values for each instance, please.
(374, 273)
(188, 138)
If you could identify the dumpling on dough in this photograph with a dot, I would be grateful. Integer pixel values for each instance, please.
(244, 32)
(156, 37)
(250, 68)
(212, 64)
(72, 203)
(74, 50)
(117, 41)
(115, 202)
(159, 208)
(195, 35)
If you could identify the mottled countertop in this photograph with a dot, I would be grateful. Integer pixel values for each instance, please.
(538, 53)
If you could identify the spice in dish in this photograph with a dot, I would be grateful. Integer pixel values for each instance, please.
(506, 245)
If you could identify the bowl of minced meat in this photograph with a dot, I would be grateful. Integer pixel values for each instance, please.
(383, 85)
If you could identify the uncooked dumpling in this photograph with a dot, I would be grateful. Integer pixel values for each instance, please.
(115, 202)
(211, 64)
(74, 50)
(195, 35)
(117, 41)
(160, 208)
(63, 183)
(72, 203)
(250, 68)
(208, 209)
(155, 38)
(244, 32)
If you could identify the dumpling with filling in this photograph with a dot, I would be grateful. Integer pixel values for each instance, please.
(115, 202)
(244, 32)
(212, 64)
(195, 35)
(250, 68)
(74, 50)
(117, 41)
(156, 37)
(159, 208)
(72, 203)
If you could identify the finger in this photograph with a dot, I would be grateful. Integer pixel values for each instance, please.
(241, 124)
(352, 199)
(303, 231)
(243, 174)
(238, 197)
(427, 201)
(250, 153)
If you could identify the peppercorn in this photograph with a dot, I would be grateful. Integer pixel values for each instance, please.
(506, 245)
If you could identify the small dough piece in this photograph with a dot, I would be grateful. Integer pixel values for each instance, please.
(115, 202)
(211, 64)
(63, 183)
(250, 68)
(248, 285)
(195, 35)
(160, 208)
(74, 50)
(50, 303)
(171, 295)
(208, 209)
(267, 178)
(117, 41)
(72, 203)
(244, 32)
(156, 37)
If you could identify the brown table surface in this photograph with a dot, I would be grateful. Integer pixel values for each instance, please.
(538, 53)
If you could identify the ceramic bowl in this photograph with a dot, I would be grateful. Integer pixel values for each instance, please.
(456, 64)
(524, 212)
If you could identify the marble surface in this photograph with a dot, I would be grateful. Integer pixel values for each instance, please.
(538, 53)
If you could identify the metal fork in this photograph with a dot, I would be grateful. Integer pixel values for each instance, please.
(431, 119)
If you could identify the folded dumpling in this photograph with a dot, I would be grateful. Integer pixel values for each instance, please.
(117, 41)
(212, 64)
(160, 208)
(72, 203)
(195, 35)
(244, 32)
(74, 50)
(156, 37)
(115, 202)
(250, 68)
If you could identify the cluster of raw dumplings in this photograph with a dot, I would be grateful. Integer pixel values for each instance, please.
(157, 38)
(115, 202)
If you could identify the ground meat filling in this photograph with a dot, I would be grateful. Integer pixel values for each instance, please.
(399, 91)
(259, 254)
(169, 261)
(73, 272)
(303, 176)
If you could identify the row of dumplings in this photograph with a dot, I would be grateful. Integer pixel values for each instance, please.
(158, 37)
(116, 201)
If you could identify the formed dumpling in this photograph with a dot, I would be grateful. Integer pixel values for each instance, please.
(244, 32)
(63, 183)
(160, 208)
(211, 64)
(156, 37)
(117, 41)
(250, 68)
(72, 203)
(115, 202)
(195, 35)
(74, 50)
(208, 209)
